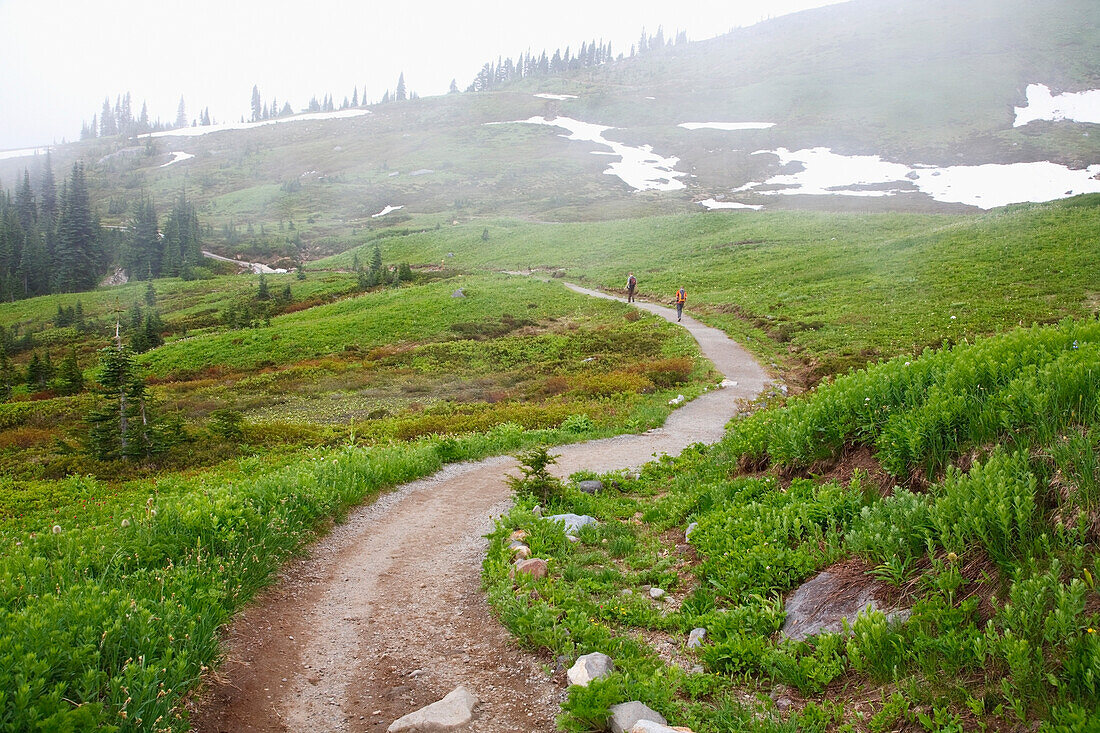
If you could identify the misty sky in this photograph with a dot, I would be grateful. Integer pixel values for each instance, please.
(60, 58)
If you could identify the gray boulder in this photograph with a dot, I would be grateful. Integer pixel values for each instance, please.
(818, 606)
(695, 638)
(591, 486)
(590, 667)
(573, 522)
(453, 711)
(690, 529)
(625, 715)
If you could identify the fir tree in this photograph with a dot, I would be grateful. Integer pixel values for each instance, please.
(181, 114)
(257, 105)
(70, 380)
(121, 423)
(401, 96)
(6, 377)
(376, 264)
(78, 260)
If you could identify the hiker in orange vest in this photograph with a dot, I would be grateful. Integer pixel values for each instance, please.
(681, 298)
(631, 283)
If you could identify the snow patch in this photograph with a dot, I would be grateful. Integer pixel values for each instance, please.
(726, 125)
(640, 168)
(712, 205)
(984, 186)
(1042, 105)
(177, 156)
(385, 211)
(559, 97)
(22, 153)
(208, 129)
(422, 172)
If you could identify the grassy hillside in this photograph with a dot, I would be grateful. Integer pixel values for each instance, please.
(817, 293)
(961, 486)
(932, 82)
(393, 363)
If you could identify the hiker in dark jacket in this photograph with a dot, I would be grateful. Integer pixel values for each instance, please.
(631, 283)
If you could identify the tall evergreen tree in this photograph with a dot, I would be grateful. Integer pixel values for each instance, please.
(78, 262)
(181, 114)
(48, 193)
(24, 203)
(257, 105)
(141, 254)
(107, 126)
(401, 95)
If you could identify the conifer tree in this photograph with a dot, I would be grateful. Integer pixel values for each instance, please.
(70, 379)
(257, 105)
(6, 377)
(78, 260)
(121, 423)
(401, 96)
(181, 114)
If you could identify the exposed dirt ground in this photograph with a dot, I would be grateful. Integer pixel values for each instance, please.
(386, 614)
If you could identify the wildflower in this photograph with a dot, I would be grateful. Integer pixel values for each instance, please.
(952, 557)
(57, 529)
(1092, 630)
(953, 318)
(125, 523)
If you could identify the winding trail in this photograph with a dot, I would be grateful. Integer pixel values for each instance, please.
(386, 614)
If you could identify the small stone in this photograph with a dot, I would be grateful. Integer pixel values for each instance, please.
(518, 536)
(649, 726)
(625, 715)
(590, 667)
(520, 550)
(536, 567)
(626, 592)
(656, 594)
(458, 294)
(453, 711)
(690, 529)
(592, 486)
(537, 511)
(695, 638)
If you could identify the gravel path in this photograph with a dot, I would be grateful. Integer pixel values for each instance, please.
(386, 613)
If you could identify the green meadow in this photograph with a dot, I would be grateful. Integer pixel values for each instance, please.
(816, 293)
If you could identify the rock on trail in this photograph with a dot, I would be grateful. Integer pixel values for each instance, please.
(386, 616)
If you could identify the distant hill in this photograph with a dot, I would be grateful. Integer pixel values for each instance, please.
(932, 83)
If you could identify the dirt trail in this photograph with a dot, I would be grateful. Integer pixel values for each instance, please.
(386, 614)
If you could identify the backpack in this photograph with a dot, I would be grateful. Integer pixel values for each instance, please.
(631, 282)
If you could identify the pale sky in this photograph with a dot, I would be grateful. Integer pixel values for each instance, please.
(60, 58)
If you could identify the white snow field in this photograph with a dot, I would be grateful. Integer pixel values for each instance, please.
(640, 168)
(385, 211)
(1042, 105)
(558, 97)
(208, 129)
(984, 186)
(726, 125)
(177, 156)
(22, 153)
